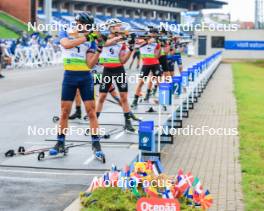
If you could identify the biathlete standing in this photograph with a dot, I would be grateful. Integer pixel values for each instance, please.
(113, 57)
(149, 53)
(80, 54)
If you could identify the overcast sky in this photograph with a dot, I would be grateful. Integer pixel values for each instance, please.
(240, 9)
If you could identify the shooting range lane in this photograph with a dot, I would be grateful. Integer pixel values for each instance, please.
(35, 103)
(79, 158)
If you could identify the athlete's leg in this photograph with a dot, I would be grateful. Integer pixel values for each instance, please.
(100, 103)
(143, 75)
(78, 111)
(180, 68)
(65, 112)
(149, 87)
(103, 90)
(124, 102)
(114, 94)
(138, 62)
(179, 62)
(156, 76)
(78, 99)
(91, 113)
(69, 88)
(86, 87)
(132, 61)
(137, 92)
(63, 126)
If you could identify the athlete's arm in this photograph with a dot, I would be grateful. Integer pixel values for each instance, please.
(72, 43)
(124, 56)
(93, 55)
(113, 41)
(167, 49)
(157, 51)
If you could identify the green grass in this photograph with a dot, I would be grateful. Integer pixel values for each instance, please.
(6, 33)
(249, 91)
(13, 21)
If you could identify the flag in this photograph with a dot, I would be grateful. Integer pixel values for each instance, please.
(151, 192)
(182, 184)
(196, 197)
(189, 178)
(127, 171)
(197, 185)
(167, 194)
(175, 191)
(114, 178)
(189, 193)
(206, 200)
(149, 165)
(135, 192)
(94, 185)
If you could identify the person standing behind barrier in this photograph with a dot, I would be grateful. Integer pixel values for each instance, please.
(80, 54)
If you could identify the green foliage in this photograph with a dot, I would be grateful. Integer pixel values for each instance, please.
(249, 91)
(109, 199)
(115, 199)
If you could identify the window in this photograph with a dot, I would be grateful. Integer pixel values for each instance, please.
(218, 42)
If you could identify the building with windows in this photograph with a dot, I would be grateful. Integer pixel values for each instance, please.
(236, 44)
(143, 9)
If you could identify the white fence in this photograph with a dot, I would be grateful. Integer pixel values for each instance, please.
(35, 56)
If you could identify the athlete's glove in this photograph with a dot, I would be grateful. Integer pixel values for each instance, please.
(101, 42)
(91, 37)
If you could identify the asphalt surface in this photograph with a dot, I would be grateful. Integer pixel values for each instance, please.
(31, 98)
(28, 97)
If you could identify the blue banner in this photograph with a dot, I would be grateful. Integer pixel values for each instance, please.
(244, 45)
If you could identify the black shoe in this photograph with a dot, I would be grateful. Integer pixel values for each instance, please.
(76, 115)
(1, 76)
(151, 110)
(128, 126)
(134, 104)
(134, 117)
